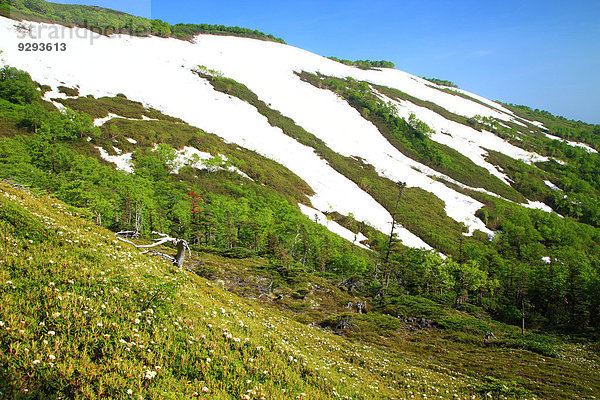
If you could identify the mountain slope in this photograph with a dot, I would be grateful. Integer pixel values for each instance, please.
(110, 322)
(285, 172)
(348, 134)
(267, 69)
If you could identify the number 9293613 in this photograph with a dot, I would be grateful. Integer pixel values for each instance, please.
(42, 46)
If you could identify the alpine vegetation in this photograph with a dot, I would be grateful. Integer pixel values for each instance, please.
(222, 217)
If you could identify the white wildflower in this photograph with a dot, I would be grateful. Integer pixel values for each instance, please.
(150, 374)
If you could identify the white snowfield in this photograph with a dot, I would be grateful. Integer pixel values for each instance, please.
(52, 94)
(538, 205)
(101, 121)
(121, 161)
(490, 103)
(158, 72)
(538, 124)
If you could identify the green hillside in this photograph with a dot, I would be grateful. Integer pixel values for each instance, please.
(269, 303)
(58, 152)
(85, 315)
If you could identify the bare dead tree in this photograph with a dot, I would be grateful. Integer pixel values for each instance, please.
(361, 305)
(138, 216)
(265, 289)
(293, 245)
(386, 261)
(401, 186)
(180, 244)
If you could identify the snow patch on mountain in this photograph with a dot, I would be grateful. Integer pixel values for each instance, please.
(122, 162)
(538, 124)
(52, 94)
(101, 121)
(186, 96)
(538, 205)
(490, 103)
(320, 218)
(572, 143)
(469, 142)
(192, 157)
(551, 185)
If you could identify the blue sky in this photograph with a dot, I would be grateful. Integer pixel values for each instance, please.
(544, 54)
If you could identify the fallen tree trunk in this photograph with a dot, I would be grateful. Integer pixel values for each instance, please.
(180, 244)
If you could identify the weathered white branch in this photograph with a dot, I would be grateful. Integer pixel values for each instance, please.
(180, 244)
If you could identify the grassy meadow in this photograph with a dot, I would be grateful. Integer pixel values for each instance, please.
(87, 316)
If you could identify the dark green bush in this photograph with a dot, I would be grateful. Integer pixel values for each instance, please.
(465, 324)
(238, 252)
(71, 92)
(17, 86)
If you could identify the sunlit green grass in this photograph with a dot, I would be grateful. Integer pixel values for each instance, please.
(86, 316)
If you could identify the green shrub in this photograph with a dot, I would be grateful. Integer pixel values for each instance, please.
(300, 294)
(441, 82)
(71, 92)
(365, 64)
(540, 344)
(17, 86)
(492, 388)
(413, 306)
(376, 322)
(465, 324)
(237, 252)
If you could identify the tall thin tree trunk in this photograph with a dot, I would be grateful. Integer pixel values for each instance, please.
(523, 315)
(386, 265)
(401, 186)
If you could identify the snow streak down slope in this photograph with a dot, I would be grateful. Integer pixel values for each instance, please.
(157, 72)
(464, 139)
